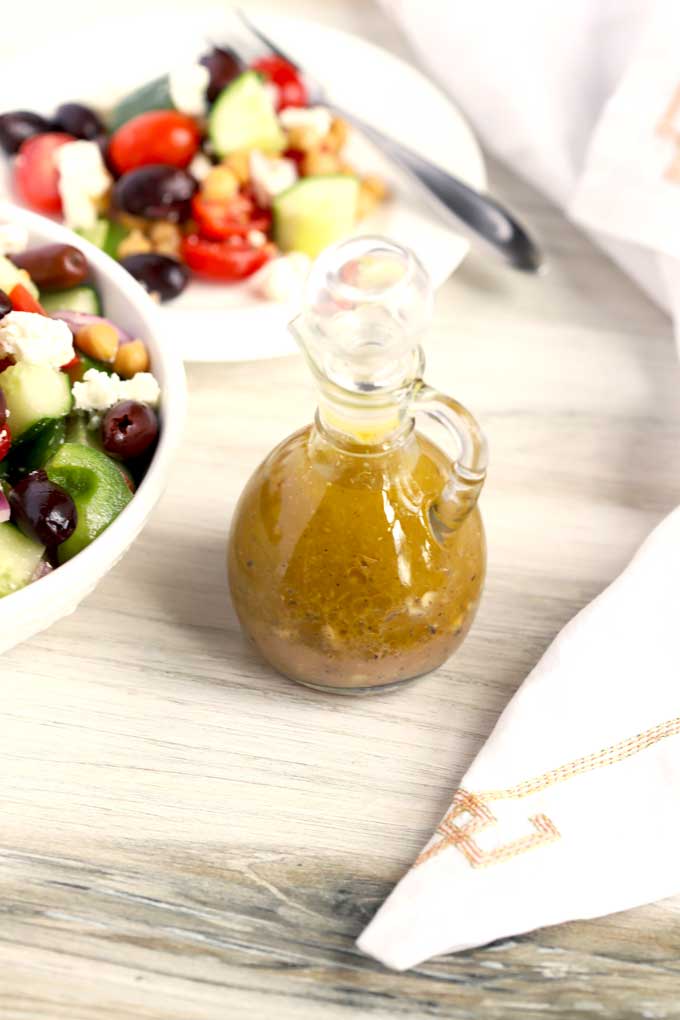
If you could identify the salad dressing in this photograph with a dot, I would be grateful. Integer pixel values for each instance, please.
(357, 556)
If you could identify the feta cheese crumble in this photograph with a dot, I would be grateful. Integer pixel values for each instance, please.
(188, 86)
(200, 167)
(270, 176)
(315, 119)
(256, 238)
(13, 238)
(283, 278)
(83, 179)
(28, 336)
(99, 391)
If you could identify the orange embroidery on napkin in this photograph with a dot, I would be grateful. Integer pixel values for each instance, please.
(669, 127)
(470, 813)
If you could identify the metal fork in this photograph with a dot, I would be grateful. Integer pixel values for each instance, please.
(480, 216)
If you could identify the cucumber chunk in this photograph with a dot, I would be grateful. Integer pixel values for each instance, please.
(315, 212)
(97, 488)
(75, 299)
(96, 234)
(105, 234)
(243, 117)
(37, 445)
(34, 392)
(155, 95)
(19, 559)
(11, 275)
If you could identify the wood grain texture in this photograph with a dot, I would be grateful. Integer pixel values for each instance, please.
(185, 836)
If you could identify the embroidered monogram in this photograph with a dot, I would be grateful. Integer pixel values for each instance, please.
(470, 813)
(669, 127)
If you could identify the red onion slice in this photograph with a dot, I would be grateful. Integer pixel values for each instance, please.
(4, 507)
(76, 320)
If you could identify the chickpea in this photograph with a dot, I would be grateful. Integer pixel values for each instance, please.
(239, 164)
(220, 185)
(302, 138)
(131, 358)
(132, 222)
(135, 243)
(98, 340)
(376, 186)
(319, 162)
(337, 136)
(372, 191)
(165, 238)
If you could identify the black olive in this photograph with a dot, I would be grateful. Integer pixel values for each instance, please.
(224, 65)
(5, 308)
(17, 126)
(43, 510)
(78, 120)
(156, 192)
(159, 274)
(128, 429)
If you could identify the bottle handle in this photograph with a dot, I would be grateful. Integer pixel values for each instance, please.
(468, 469)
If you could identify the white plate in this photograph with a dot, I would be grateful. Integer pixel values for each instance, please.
(227, 323)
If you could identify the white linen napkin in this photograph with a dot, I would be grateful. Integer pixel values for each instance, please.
(583, 99)
(570, 809)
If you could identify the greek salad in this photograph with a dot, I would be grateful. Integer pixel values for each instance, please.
(78, 410)
(217, 169)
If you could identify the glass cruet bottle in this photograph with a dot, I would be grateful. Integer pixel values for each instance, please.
(357, 555)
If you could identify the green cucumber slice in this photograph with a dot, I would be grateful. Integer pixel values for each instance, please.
(34, 392)
(242, 117)
(79, 431)
(105, 234)
(75, 299)
(155, 95)
(96, 234)
(19, 559)
(97, 488)
(315, 212)
(11, 275)
(37, 445)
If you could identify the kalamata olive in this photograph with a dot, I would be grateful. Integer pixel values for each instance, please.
(53, 266)
(5, 304)
(42, 509)
(17, 126)
(224, 65)
(78, 120)
(3, 408)
(128, 429)
(156, 192)
(159, 274)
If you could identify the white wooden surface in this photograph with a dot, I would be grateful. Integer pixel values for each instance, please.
(186, 835)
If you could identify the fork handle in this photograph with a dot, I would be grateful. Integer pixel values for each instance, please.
(481, 215)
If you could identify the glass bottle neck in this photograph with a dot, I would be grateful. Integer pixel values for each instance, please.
(363, 423)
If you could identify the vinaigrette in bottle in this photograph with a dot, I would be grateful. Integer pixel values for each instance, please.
(357, 556)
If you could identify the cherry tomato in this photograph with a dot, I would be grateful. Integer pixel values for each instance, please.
(235, 217)
(23, 301)
(159, 136)
(290, 86)
(35, 172)
(5, 441)
(230, 260)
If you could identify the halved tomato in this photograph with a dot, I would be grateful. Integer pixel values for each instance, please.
(229, 260)
(158, 136)
(35, 172)
(235, 217)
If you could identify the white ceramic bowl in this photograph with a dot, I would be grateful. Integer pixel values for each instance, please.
(42, 603)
